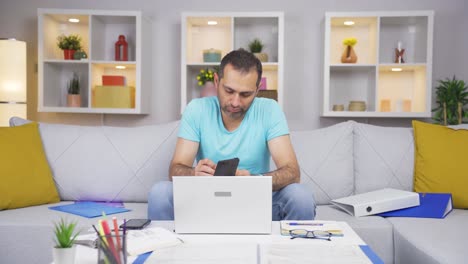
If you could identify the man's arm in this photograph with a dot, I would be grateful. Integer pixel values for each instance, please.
(182, 161)
(284, 157)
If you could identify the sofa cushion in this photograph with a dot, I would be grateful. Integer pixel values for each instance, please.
(428, 240)
(25, 174)
(383, 158)
(441, 161)
(325, 158)
(121, 163)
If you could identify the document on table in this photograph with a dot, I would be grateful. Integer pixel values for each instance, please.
(280, 253)
(207, 253)
(89, 240)
(150, 239)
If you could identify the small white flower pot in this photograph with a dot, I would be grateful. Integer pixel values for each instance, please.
(64, 255)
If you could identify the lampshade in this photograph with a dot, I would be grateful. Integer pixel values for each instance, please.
(12, 79)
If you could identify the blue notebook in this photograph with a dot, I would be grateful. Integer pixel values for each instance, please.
(89, 209)
(431, 205)
(371, 254)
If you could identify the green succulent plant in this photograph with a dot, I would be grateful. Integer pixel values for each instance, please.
(70, 42)
(451, 99)
(74, 85)
(65, 233)
(256, 46)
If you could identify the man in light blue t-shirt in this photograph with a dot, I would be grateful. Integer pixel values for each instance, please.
(236, 123)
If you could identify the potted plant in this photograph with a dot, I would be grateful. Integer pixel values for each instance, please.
(65, 235)
(69, 44)
(451, 97)
(256, 46)
(73, 89)
(205, 79)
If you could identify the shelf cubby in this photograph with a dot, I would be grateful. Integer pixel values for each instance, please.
(232, 31)
(99, 30)
(389, 87)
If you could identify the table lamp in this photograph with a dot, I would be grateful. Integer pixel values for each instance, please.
(12, 79)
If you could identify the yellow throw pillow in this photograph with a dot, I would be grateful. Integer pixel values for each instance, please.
(25, 176)
(441, 163)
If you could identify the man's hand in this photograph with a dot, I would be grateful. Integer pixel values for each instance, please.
(242, 173)
(205, 167)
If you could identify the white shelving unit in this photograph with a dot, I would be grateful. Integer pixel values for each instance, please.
(375, 78)
(233, 31)
(99, 30)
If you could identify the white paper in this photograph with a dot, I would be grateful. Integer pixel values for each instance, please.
(286, 253)
(89, 240)
(207, 253)
(149, 239)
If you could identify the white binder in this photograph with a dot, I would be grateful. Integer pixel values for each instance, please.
(377, 201)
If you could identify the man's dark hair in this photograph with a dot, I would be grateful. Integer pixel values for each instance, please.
(242, 61)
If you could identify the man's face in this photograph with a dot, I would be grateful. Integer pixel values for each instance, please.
(236, 91)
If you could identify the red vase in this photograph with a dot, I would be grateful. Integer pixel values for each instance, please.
(121, 49)
(68, 54)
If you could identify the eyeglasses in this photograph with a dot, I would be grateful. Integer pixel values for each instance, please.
(317, 234)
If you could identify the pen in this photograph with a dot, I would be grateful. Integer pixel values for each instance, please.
(101, 231)
(124, 238)
(117, 236)
(305, 224)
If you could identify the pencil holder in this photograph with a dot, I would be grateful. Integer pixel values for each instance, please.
(112, 249)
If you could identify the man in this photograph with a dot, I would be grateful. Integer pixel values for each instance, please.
(236, 123)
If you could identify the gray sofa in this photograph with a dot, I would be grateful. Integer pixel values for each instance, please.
(121, 164)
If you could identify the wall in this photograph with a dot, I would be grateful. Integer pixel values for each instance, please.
(304, 21)
(463, 46)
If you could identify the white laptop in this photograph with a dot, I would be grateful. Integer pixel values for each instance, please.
(222, 204)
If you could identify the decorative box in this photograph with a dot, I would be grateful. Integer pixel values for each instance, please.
(211, 55)
(113, 97)
(357, 106)
(272, 94)
(117, 80)
(263, 84)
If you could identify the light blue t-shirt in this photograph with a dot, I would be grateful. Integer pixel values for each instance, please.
(202, 122)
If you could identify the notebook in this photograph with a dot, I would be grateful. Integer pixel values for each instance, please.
(432, 205)
(89, 209)
(222, 205)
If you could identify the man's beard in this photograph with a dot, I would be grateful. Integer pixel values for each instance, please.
(234, 115)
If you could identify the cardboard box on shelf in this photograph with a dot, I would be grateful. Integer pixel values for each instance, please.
(113, 97)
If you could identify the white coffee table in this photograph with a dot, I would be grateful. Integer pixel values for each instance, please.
(255, 249)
